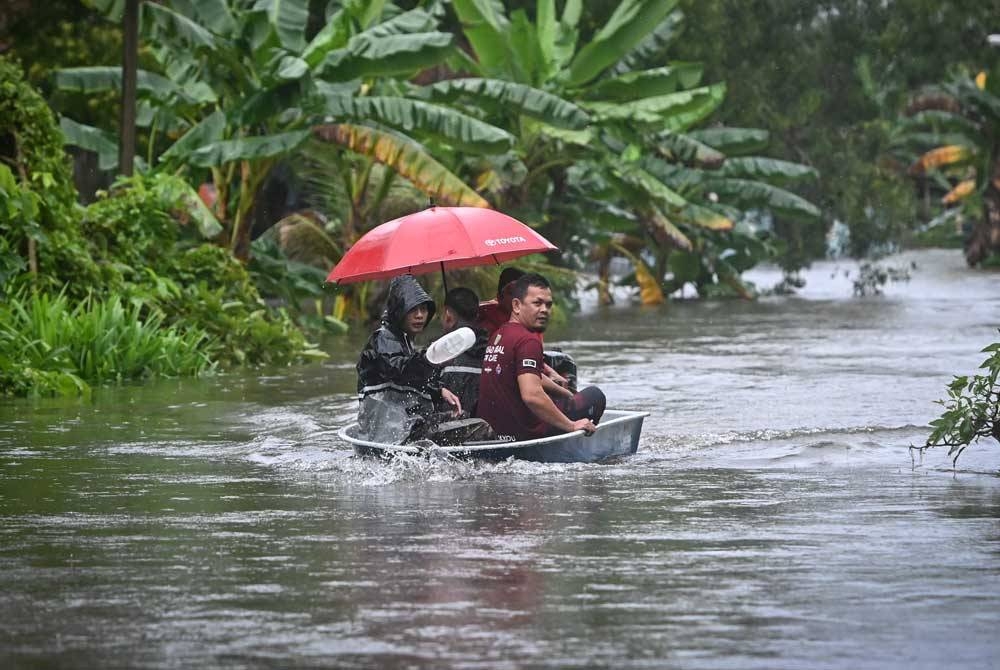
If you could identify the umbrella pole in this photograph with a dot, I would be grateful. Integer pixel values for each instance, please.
(444, 279)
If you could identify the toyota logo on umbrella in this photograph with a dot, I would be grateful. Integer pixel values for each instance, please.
(504, 240)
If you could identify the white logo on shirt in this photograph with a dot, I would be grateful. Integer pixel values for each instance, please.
(529, 363)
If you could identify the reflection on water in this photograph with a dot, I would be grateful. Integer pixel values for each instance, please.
(771, 518)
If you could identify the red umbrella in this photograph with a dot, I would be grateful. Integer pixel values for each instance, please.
(444, 238)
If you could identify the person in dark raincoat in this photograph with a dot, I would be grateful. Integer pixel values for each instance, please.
(461, 374)
(397, 385)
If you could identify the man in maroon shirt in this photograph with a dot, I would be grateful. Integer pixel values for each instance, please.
(511, 396)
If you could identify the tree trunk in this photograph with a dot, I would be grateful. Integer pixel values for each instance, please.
(130, 64)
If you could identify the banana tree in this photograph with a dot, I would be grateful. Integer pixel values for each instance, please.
(628, 159)
(240, 86)
(958, 128)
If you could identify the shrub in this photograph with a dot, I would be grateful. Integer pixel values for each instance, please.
(972, 410)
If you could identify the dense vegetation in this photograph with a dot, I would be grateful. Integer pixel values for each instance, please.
(124, 288)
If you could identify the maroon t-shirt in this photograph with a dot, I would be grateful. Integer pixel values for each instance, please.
(491, 316)
(511, 351)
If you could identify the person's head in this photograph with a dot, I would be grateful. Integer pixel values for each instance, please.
(506, 284)
(531, 302)
(461, 306)
(408, 307)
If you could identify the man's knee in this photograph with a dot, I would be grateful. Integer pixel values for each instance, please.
(586, 404)
(594, 402)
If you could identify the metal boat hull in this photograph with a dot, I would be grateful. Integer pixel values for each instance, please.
(617, 437)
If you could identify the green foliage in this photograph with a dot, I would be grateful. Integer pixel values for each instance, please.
(972, 410)
(828, 83)
(55, 345)
(610, 135)
(232, 88)
(151, 296)
(958, 155)
(36, 190)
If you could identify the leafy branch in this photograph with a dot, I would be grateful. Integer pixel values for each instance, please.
(972, 410)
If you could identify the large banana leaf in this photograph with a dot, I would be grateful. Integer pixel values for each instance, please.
(386, 56)
(546, 30)
(485, 24)
(664, 229)
(248, 148)
(918, 142)
(290, 67)
(533, 102)
(413, 21)
(674, 110)
(288, 19)
(985, 102)
(101, 142)
(651, 49)
(758, 194)
(733, 141)
(178, 191)
(333, 35)
(528, 58)
(406, 158)
(953, 154)
(164, 24)
(650, 291)
(638, 178)
(705, 218)
(962, 189)
(646, 83)
(284, 102)
(556, 37)
(942, 122)
(208, 130)
(451, 125)
(213, 14)
(769, 169)
(683, 148)
(699, 109)
(108, 78)
(581, 138)
(631, 21)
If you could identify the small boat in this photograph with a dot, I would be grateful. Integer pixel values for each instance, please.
(617, 436)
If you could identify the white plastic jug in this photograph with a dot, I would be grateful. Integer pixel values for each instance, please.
(448, 346)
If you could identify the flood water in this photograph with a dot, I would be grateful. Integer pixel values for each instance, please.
(772, 518)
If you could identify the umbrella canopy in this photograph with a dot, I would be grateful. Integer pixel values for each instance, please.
(437, 238)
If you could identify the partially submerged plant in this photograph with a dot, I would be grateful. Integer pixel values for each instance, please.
(972, 410)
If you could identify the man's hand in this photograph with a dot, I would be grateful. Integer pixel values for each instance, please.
(452, 400)
(586, 425)
(559, 380)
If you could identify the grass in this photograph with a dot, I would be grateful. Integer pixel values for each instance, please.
(49, 346)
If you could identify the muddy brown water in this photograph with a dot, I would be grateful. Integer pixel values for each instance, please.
(771, 519)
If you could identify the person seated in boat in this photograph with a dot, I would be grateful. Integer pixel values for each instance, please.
(495, 313)
(461, 374)
(397, 385)
(511, 396)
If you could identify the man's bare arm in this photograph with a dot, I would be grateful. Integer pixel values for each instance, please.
(553, 388)
(539, 402)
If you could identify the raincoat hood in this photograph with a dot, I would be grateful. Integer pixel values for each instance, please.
(405, 294)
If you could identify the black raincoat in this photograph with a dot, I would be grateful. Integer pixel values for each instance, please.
(461, 374)
(397, 386)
